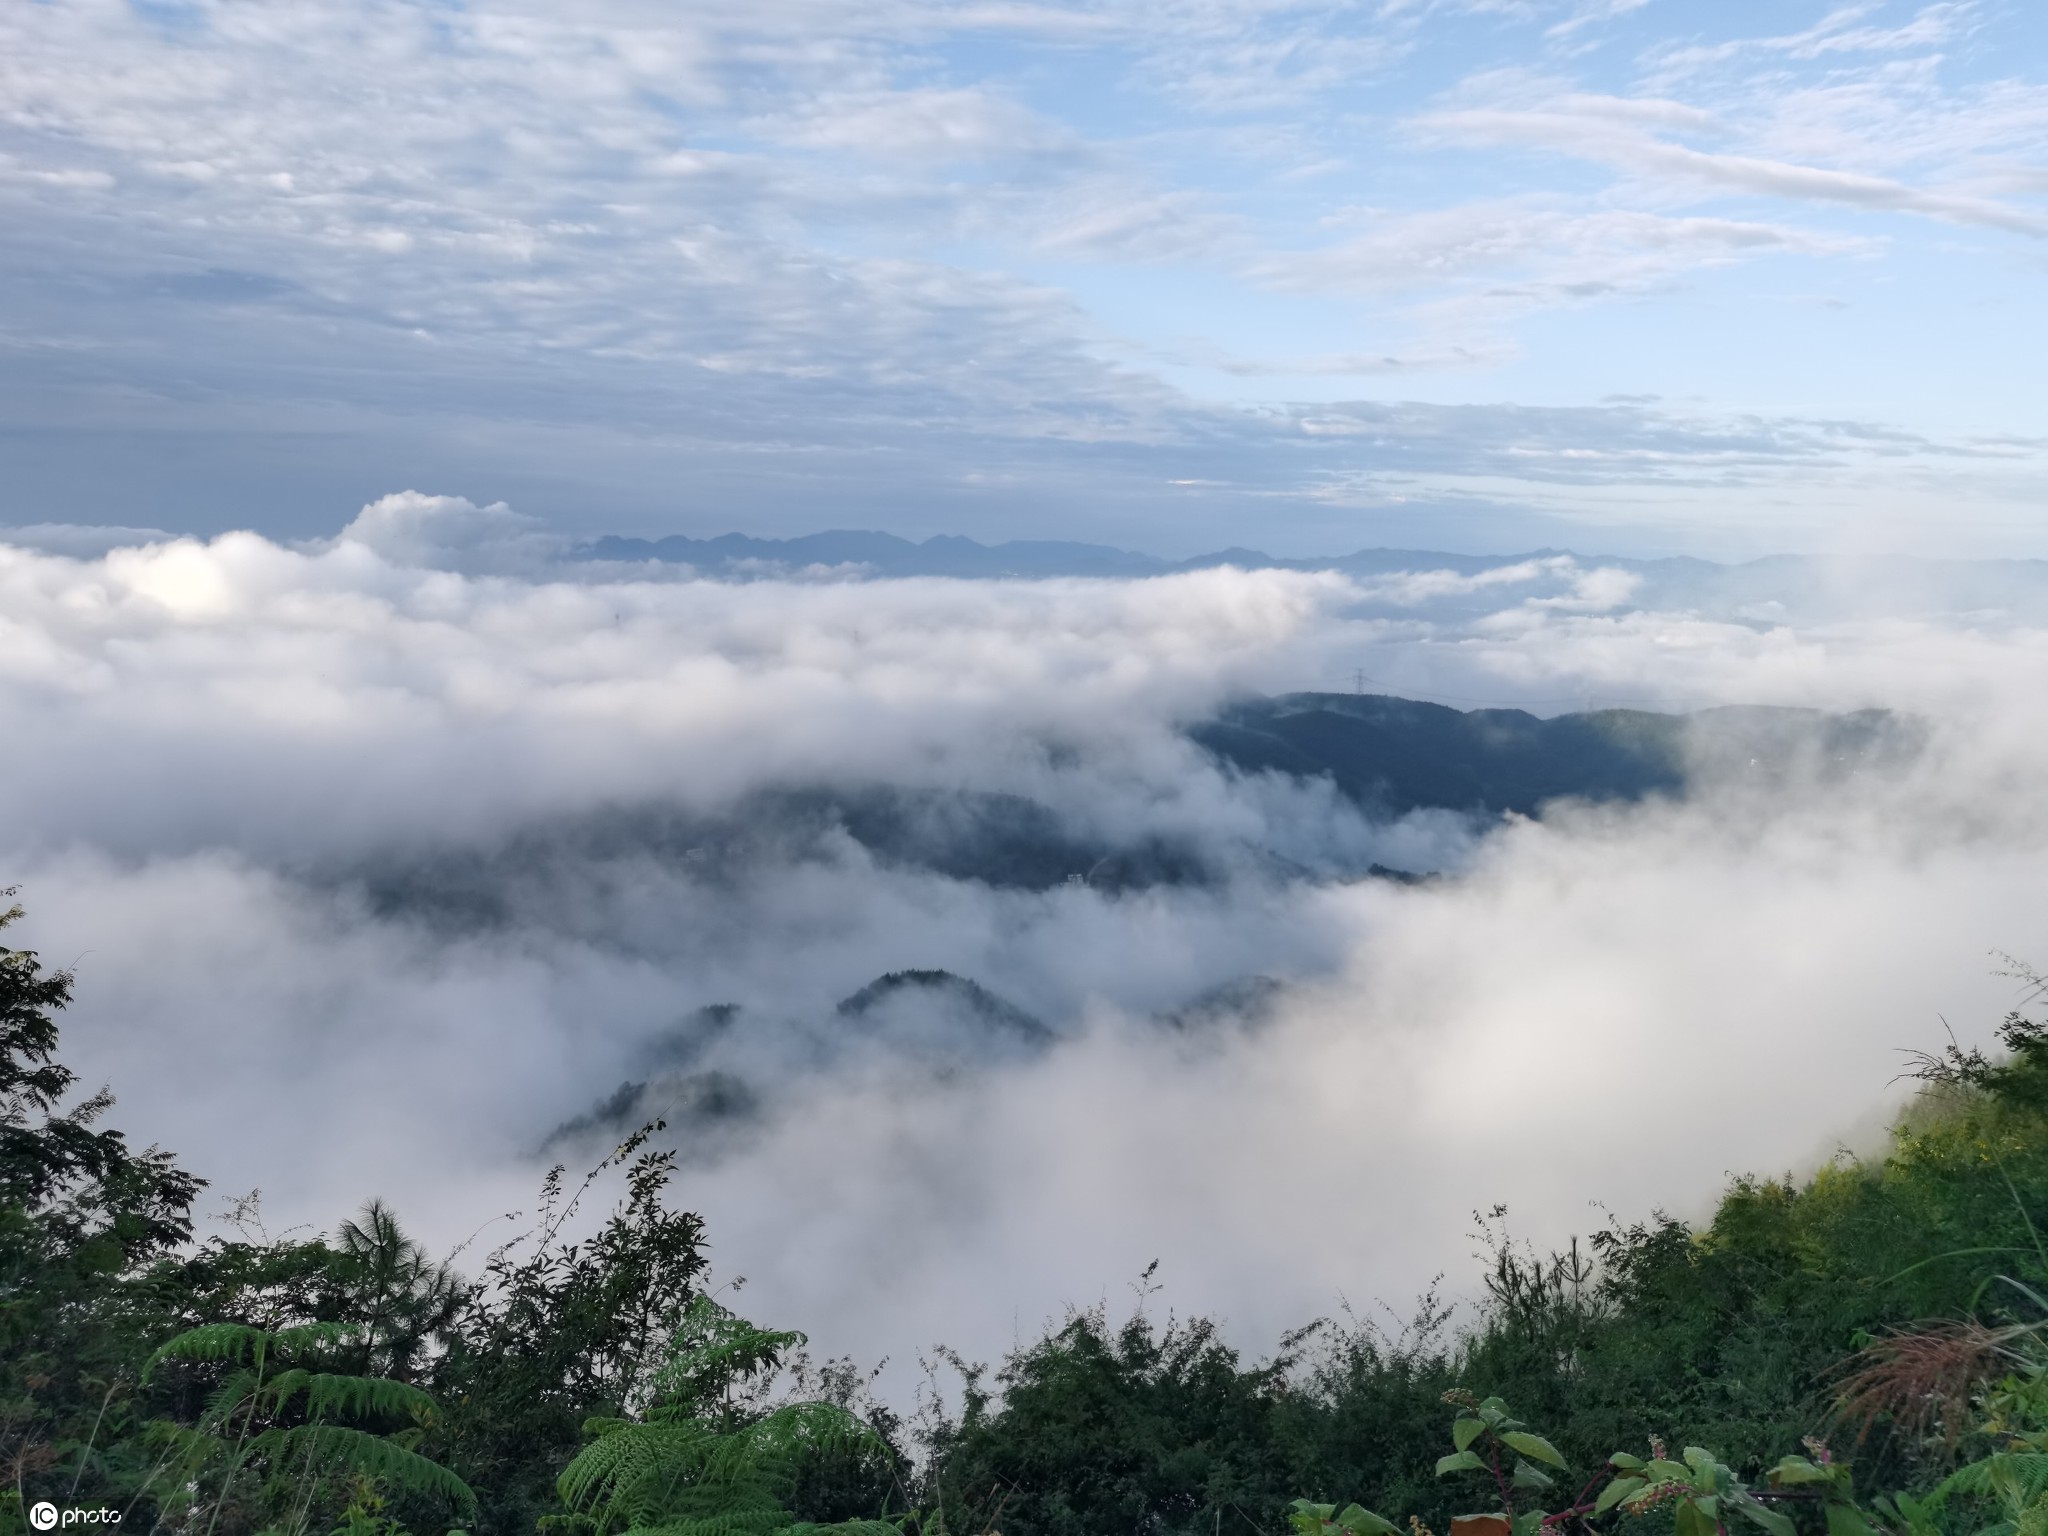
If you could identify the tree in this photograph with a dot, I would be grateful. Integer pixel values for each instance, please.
(556, 1331)
(81, 1219)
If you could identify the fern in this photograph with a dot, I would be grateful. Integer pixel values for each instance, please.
(268, 1437)
(680, 1472)
(332, 1448)
(365, 1397)
(712, 1350)
(216, 1343)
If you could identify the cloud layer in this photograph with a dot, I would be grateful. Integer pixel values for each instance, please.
(376, 873)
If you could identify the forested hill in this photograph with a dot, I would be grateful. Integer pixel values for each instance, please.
(1387, 756)
(1397, 755)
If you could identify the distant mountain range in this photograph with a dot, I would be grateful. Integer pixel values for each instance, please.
(1766, 590)
(735, 554)
(1393, 756)
(1388, 756)
(703, 1077)
(719, 1074)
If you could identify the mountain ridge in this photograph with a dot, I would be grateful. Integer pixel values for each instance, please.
(1771, 589)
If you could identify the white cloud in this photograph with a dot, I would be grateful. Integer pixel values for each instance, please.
(935, 124)
(1838, 32)
(221, 744)
(360, 674)
(1600, 130)
(1554, 255)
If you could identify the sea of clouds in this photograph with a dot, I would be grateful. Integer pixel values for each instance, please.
(240, 780)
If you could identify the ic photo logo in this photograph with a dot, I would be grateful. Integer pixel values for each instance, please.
(45, 1516)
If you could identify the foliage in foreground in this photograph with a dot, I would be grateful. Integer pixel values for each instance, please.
(695, 1463)
(1890, 1308)
(278, 1431)
(1743, 1336)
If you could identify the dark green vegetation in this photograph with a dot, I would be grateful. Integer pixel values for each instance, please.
(578, 1381)
(1736, 1337)
(1400, 755)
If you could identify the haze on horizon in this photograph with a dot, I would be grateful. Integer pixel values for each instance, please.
(1626, 276)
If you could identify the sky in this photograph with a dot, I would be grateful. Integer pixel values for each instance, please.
(1634, 276)
(385, 836)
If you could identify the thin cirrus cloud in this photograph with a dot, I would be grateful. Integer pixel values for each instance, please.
(1564, 253)
(788, 264)
(1610, 133)
(1842, 29)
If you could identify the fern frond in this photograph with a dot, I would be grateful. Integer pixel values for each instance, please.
(2028, 1470)
(208, 1343)
(723, 1524)
(211, 1343)
(228, 1396)
(800, 1427)
(315, 1336)
(282, 1388)
(773, 1450)
(714, 1347)
(362, 1397)
(337, 1447)
(676, 1474)
(632, 1465)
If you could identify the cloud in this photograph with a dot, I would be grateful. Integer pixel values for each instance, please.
(1003, 269)
(922, 123)
(388, 870)
(77, 538)
(1592, 15)
(1540, 255)
(358, 674)
(450, 532)
(1839, 32)
(1596, 130)
(1585, 590)
(1636, 444)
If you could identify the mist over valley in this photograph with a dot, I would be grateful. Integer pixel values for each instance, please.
(964, 915)
(1023, 768)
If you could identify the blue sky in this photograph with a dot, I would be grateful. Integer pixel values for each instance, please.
(1637, 276)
